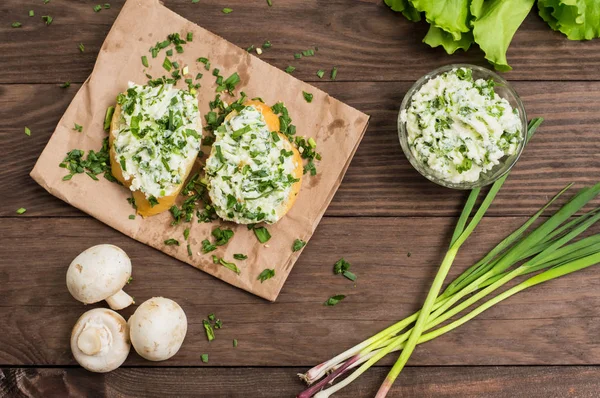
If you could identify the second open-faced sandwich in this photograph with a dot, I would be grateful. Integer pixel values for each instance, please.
(154, 140)
(254, 173)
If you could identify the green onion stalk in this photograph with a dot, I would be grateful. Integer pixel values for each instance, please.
(547, 248)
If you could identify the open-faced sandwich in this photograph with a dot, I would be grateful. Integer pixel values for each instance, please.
(254, 173)
(154, 140)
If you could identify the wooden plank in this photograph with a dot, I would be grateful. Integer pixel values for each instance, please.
(554, 323)
(380, 181)
(417, 382)
(364, 39)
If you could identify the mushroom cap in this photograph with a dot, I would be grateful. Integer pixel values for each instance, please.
(100, 340)
(97, 273)
(157, 328)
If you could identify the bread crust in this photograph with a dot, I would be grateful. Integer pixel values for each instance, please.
(272, 121)
(143, 206)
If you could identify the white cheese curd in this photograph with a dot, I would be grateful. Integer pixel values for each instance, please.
(157, 138)
(250, 172)
(459, 127)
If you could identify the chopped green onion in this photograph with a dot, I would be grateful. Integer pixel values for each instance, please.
(190, 36)
(333, 300)
(262, 234)
(16, 24)
(78, 128)
(307, 96)
(107, 5)
(266, 44)
(290, 69)
(298, 245)
(97, 8)
(298, 55)
(21, 210)
(227, 10)
(172, 242)
(239, 256)
(204, 357)
(334, 73)
(27, 131)
(230, 266)
(31, 13)
(108, 117)
(167, 64)
(47, 19)
(189, 250)
(65, 85)
(186, 233)
(235, 342)
(81, 47)
(266, 274)
(320, 73)
(270, 3)
(145, 61)
(132, 216)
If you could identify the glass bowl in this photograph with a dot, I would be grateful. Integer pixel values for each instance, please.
(504, 90)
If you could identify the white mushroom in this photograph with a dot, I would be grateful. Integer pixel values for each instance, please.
(99, 273)
(157, 328)
(100, 340)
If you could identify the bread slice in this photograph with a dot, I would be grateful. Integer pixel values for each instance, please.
(272, 204)
(144, 207)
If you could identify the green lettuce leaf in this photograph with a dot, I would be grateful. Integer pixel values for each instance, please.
(437, 37)
(406, 8)
(494, 25)
(449, 15)
(577, 19)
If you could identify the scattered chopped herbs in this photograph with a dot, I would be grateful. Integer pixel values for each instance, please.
(251, 48)
(172, 242)
(167, 64)
(152, 200)
(27, 131)
(270, 3)
(298, 55)
(31, 13)
(108, 117)
(16, 24)
(107, 5)
(290, 69)
(204, 357)
(334, 73)
(227, 10)
(186, 233)
(262, 234)
(343, 267)
(298, 244)
(81, 47)
(189, 250)
(21, 210)
(222, 236)
(333, 300)
(78, 128)
(408, 254)
(266, 274)
(266, 44)
(190, 36)
(218, 324)
(230, 266)
(94, 164)
(211, 317)
(130, 280)
(65, 85)
(47, 19)
(207, 247)
(235, 342)
(97, 8)
(145, 61)
(239, 256)
(210, 333)
(46, 1)
(308, 53)
(307, 96)
(320, 73)
(195, 1)
(131, 201)
(132, 216)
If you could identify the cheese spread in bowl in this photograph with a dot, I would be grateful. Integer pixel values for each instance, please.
(462, 126)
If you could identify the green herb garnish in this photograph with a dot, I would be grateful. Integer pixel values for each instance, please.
(290, 69)
(207, 247)
(27, 131)
(307, 96)
(186, 233)
(16, 24)
(266, 274)
(334, 73)
(65, 85)
(78, 128)
(235, 342)
(262, 234)
(210, 333)
(81, 47)
(266, 44)
(21, 210)
(97, 8)
(239, 256)
(132, 216)
(204, 357)
(31, 13)
(227, 10)
(320, 73)
(222, 236)
(298, 245)
(47, 19)
(333, 300)
(230, 266)
(145, 61)
(172, 242)
(108, 117)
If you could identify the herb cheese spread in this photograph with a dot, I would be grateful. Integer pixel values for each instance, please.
(460, 127)
(252, 171)
(157, 139)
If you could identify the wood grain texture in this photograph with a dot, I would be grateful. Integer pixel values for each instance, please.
(554, 323)
(415, 382)
(380, 181)
(364, 39)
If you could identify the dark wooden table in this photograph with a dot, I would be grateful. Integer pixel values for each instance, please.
(542, 343)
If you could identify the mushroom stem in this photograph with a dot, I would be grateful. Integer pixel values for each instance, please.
(90, 342)
(119, 300)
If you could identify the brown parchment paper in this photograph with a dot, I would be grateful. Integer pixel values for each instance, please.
(336, 127)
